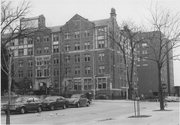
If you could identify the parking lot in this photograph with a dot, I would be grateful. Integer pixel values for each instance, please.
(102, 112)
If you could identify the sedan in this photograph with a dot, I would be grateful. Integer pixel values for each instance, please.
(24, 104)
(78, 100)
(172, 99)
(54, 102)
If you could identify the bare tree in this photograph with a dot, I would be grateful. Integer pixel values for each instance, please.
(10, 30)
(162, 41)
(127, 43)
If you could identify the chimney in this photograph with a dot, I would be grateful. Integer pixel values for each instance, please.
(113, 13)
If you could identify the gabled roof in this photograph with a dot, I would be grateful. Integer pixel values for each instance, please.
(77, 17)
(101, 22)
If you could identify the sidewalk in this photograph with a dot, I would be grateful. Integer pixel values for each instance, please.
(154, 116)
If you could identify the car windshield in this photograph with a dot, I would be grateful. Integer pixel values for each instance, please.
(75, 96)
(21, 99)
(51, 98)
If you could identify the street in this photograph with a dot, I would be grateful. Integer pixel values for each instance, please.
(103, 112)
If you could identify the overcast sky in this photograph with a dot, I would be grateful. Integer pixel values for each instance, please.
(58, 12)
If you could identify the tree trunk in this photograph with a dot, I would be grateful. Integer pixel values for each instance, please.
(161, 100)
(9, 92)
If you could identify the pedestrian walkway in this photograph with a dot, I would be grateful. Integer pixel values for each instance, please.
(151, 115)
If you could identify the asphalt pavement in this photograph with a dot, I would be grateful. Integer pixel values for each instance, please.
(103, 112)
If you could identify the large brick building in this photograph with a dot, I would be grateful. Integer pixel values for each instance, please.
(78, 56)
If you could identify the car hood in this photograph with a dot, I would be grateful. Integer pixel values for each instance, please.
(15, 103)
(47, 101)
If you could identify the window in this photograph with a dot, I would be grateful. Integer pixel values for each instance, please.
(77, 35)
(67, 59)
(87, 45)
(101, 69)
(21, 41)
(67, 47)
(87, 58)
(55, 37)
(86, 34)
(46, 38)
(144, 59)
(67, 36)
(144, 44)
(67, 71)
(101, 44)
(30, 63)
(77, 58)
(56, 72)
(145, 64)
(29, 73)
(77, 46)
(77, 70)
(20, 74)
(30, 100)
(101, 31)
(39, 61)
(102, 83)
(77, 84)
(144, 52)
(20, 63)
(101, 57)
(87, 70)
(46, 60)
(38, 39)
(55, 48)
(20, 52)
(88, 84)
(39, 73)
(38, 51)
(56, 60)
(138, 59)
(12, 43)
(30, 41)
(46, 49)
(30, 51)
(46, 72)
(100, 37)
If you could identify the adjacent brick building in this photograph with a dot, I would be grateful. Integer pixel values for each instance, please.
(147, 69)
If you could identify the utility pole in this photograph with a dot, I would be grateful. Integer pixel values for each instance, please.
(9, 89)
(94, 78)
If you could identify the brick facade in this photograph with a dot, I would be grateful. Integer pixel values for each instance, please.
(77, 57)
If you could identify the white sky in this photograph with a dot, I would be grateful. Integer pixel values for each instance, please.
(58, 12)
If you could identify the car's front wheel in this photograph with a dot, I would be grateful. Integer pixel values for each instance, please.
(64, 106)
(87, 104)
(78, 105)
(22, 110)
(39, 109)
(51, 107)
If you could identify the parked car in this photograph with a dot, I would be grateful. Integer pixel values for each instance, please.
(89, 97)
(54, 102)
(24, 104)
(78, 100)
(102, 96)
(172, 99)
